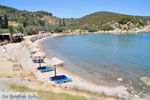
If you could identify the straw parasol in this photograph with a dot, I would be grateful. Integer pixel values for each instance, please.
(38, 56)
(54, 62)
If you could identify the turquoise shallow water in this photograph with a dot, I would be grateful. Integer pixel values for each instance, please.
(102, 58)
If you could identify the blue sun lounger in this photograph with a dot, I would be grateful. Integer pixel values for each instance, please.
(63, 80)
(38, 61)
(47, 69)
(42, 67)
(57, 77)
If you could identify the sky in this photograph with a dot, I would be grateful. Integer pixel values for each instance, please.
(79, 8)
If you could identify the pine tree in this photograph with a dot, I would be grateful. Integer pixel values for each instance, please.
(11, 31)
(1, 22)
(5, 21)
(24, 24)
(60, 23)
(64, 24)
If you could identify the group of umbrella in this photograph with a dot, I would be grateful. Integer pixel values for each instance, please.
(39, 57)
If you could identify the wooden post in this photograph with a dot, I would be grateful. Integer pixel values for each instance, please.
(55, 72)
(39, 63)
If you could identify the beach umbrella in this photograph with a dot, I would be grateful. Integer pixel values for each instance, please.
(54, 62)
(38, 56)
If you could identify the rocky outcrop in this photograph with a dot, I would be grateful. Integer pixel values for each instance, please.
(146, 80)
(120, 79)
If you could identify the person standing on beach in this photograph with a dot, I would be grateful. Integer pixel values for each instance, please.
(4, 49)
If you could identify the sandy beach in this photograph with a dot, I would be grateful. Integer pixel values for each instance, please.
(18, 53)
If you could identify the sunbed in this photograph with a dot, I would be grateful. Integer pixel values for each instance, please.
(57, 77)
(38, 61)
(42, 67)
(63, 80)
(47, 69)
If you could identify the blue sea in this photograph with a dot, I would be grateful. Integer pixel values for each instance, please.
(102, 58)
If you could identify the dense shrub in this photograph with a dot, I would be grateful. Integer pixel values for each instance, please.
(58, 29)
(92, 30)
(125, 20)
(107, 28)
(141, 23)
(32, 30)
(20, 29)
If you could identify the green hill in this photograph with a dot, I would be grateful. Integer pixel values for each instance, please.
(31, 18)
(105, 17)
(32, 22)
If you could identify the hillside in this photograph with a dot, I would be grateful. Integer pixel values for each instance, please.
(104, 17)
(100, 17)
(33, 22)
(109, 21)
(31, 18)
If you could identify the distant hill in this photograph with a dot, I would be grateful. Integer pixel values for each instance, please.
(104, 17)
(33, 22)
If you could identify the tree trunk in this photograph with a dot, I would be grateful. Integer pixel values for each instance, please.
(11, 40)
(55, 73)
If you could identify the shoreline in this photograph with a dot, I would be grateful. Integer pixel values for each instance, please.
(106, 32)
(39, 43)
(78, 82)
(79, 77)
(62, 69)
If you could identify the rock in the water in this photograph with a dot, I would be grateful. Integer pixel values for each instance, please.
(17, 67)
(146, 80)
(120, 79)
